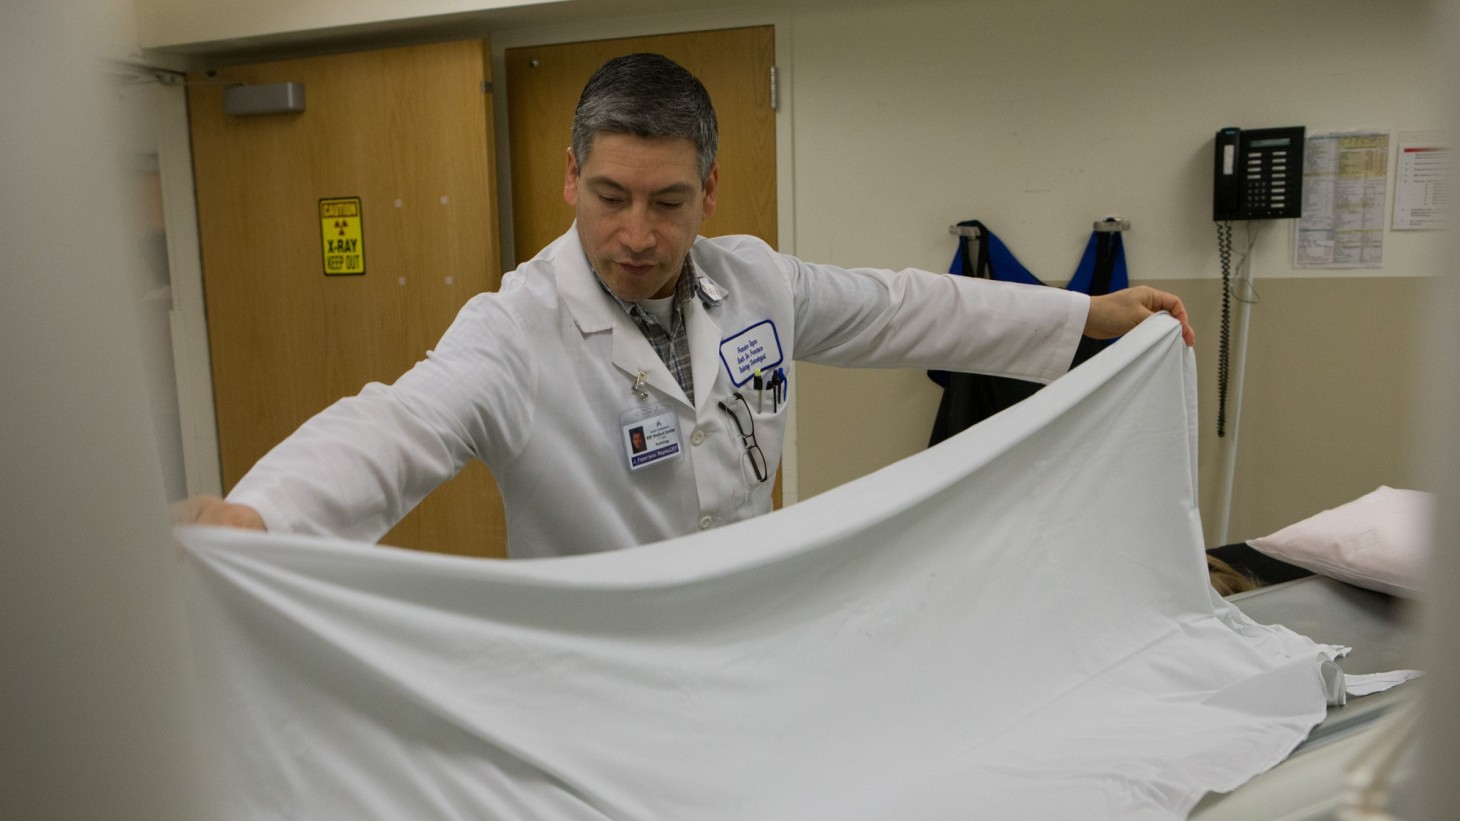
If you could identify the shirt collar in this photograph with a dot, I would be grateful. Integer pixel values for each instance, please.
(690, 281)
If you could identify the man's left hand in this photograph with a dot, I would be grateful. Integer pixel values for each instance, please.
(1117, 313)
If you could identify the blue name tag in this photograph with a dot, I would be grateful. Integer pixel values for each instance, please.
(757, 348)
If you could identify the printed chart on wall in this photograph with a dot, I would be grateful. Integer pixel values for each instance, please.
(342, 236)
(1345, 181)
(1422, 182)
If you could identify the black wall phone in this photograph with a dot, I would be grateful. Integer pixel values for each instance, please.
(1258, 175)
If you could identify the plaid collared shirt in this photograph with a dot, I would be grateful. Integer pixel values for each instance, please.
(672, 343)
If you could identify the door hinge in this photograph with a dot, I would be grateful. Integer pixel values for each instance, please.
(486, 86)
(775, 91)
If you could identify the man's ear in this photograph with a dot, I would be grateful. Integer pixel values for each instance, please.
(570, 179)
(712, 183)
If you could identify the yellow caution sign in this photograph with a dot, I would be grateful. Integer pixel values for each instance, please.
(343, 235)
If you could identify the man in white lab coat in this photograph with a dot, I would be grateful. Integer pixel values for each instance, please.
(629, 383)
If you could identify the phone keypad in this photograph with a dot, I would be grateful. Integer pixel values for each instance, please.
(1266, 193)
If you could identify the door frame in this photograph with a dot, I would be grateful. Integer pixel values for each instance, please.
(202, 467)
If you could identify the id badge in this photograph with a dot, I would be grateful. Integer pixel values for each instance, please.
(650, 435)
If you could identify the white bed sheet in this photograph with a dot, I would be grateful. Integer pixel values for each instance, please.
(1014, 624)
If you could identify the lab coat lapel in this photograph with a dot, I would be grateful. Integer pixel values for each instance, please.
(633, 354)
(704, 350)
(595, 311)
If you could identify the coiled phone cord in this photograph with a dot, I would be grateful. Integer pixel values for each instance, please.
(1224, 250)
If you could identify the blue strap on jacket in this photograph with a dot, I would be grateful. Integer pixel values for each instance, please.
(1102, 268)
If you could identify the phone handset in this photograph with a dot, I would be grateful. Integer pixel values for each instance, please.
(1226, 185)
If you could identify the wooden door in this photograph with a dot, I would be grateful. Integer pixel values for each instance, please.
(543, 85)
(405, 131)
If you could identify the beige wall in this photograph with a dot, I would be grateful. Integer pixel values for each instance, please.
(1039, 117)
(1330, 401)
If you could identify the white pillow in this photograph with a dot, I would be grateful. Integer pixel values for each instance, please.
(1379, 541)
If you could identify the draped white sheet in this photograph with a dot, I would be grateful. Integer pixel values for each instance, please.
(1014, 624)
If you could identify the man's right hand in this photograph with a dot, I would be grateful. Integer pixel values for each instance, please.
(211, 510)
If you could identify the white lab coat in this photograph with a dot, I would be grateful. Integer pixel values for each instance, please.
(533, 380)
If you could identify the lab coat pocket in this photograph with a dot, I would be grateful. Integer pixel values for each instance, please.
(769, 414)
(753, 422)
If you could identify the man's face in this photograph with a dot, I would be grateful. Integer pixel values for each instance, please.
(639, 204)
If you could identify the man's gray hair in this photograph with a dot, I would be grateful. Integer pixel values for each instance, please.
(646, 95)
